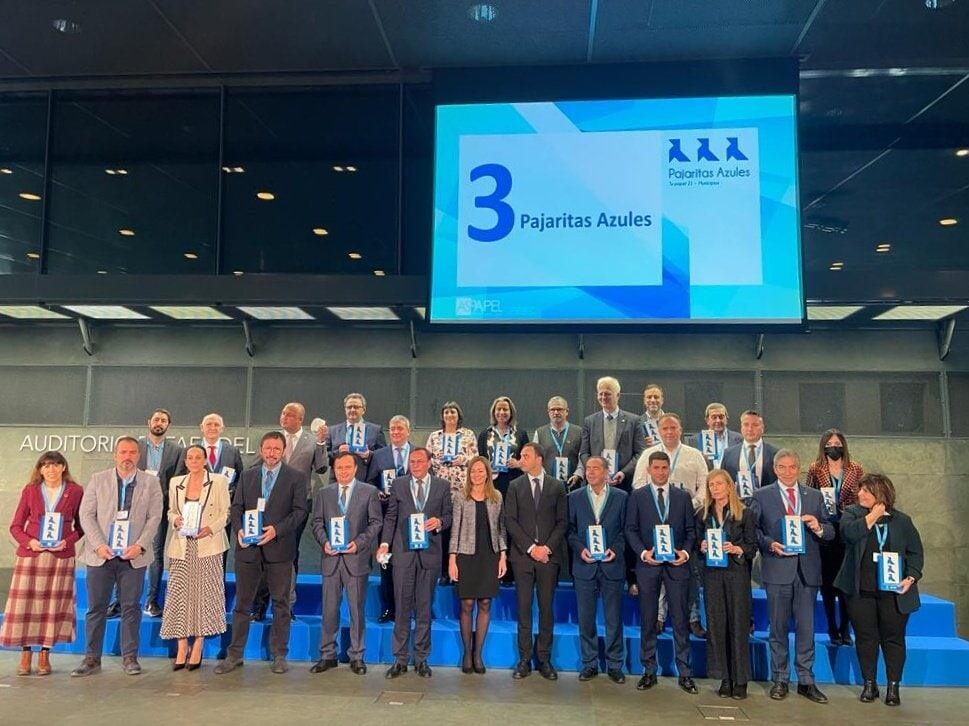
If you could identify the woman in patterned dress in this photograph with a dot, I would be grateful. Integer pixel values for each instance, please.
(40, 607)
(195, 601)
(455, 470)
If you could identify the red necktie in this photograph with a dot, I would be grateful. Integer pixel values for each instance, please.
(212, 456)
(791, 501)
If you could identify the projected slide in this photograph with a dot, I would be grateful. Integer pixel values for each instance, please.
(661, 210)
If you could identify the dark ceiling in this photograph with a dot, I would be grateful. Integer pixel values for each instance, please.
(884, 83)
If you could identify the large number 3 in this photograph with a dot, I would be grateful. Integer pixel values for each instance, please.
(495, 202)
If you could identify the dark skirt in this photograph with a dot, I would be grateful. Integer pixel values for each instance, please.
(478, 573)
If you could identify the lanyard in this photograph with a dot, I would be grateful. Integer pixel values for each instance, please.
(413, 490)
(123, 492)
(675, 459)
(560, 445)
(665, 513)
(881, 534)
(714, 524)
(592, 502)
(787, 502)
(343, 507)
(48, 507)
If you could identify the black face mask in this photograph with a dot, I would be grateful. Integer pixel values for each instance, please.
(834, 452)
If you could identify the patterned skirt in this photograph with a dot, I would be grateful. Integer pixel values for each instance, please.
(40, 607)
(195, 599)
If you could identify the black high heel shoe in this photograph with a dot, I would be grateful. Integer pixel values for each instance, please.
(176, 666)
(193, 666)
(479, 666)
(466, 664)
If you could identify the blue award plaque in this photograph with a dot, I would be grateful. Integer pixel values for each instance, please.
(357, 438)
(118, 537)
(339, 541)
(612, 462)
(562, 468)
(716, 557)
(595, 538)
(387, 477)
(890, 572)
(416, 534)
(745, 485)
(449, 447)
(829, 504)
(501, 456)
(51, 527)
(663, 545)
(251, 526)
(710, 445)
(792, 535)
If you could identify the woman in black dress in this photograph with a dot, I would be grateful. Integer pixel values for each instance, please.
(503, 432)
(477, 556)
(727, 599)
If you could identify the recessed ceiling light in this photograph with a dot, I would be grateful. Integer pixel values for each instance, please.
(265, 196)
(238, 170)
(122, 172)
(126, 232)
(948, 221)
(379, 273)
(110, 172)
(30, 312)
(835, 268)
(102, 272)
(832, 312)
(238, 273)
(5, 170)
(920, 312)
(355, 256)
(483, 12)
(338, 168)
(190, 312)
(355, 313)
(320, 231)
(113, 172)
(106, 312)
(33, 255)
(959, 152)
(191, 256)
(351, 168)
(29, 196)
(64, 25)
(883, 247)
(276, 313)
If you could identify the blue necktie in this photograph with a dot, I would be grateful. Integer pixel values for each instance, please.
(398, 461)
(268, 483)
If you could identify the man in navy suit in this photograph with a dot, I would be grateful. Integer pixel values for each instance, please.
(656, 504)
(603, 505)
(791, 580)
(752, 458)
(355, 435)
(715, 417)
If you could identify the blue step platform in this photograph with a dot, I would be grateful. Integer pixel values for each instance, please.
(936, 655)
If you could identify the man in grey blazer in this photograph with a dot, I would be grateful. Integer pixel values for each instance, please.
(612, 429)
(415, 570)
(119, 497)
(715, 416)
(791, 580)
(345, 569)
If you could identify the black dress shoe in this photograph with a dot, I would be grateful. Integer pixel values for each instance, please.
(258, 616)
(739, 691)
(423, 670)
(697, 629)
(725, 690)
(152, 610)
(616, 675)
(588, 673)
(386, 616)
(846, 638)
(478, 665)
(811, 693)
(835, 639)
(521, 670)
(358, 667)
(659, 626)
(646, 682)
(323, 665)
(778, 691)
(869, 692)
(114, 610)
(891, 694)
(546, 671)
(687, 684)
(397, 669)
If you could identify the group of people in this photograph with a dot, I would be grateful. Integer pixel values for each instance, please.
(618, 500)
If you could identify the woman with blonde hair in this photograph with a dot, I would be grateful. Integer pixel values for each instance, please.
(503, 432)
(726, 582)
(477, 556)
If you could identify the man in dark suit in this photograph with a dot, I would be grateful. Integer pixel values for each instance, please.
(355, 435)
(221, 457)
(388, 464)
(612, 429)
(357, 508)
(751, 460)
(536, 517)
(560, 441)
(605, 506)
(716, 418)
(417, 568)
(656, 504)
(280, 491)
(791, 580)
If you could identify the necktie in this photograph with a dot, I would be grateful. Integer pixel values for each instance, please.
(420, 493)
(752, 463)
(398, 461)
(290, 443)
(609, 432)
(791, 501)
(268, 483)
(536, 489)
(661, 499)
(212, 456)
(343, 496)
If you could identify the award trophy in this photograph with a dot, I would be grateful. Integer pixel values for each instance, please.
(51, 526)
(502, 454)
(562, 468)
(595, 538)
(416, 534)
(119, 536)
(792, 535)
(387, 477)
(338, 534)
(716, 557)
(890, 572)
(663, 543)
(449, 446)
(829, 503)
(745, 487)
(612, 460)
(191, 519)
(356, 439)
(251, 526)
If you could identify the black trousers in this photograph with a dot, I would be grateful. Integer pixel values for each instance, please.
(728, 606)
(878, 622)
(532, 576)
(279, 576)
(832, 555)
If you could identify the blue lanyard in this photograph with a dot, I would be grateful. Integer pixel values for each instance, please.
(675, 459)
(787, 502)
(592, 503)
(48, 507)
(665, 513)
(343, 507)
(881, 534)
(560, 446)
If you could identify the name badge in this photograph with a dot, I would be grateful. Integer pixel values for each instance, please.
(595, 538)
(612, 462)
(338, 534)
(151, 472)
(449, 447)
(251, 526)
(51, 527)
(562, 468)
(716, 557)
(358, 440)
(229, 473)
(745, 487)
(663, 543)
(191, 519)
(416, 534)
(792, 535)
(501, 456)
(118, 537)
(890, 572)
(261, 504)
(122, 515)
(829, 503)
(387, 477)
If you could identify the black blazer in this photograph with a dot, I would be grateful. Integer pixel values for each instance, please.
(286, 510)
(526, 526)
(400, 505)
(903, 538)
(641, 517)
(742, 533)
